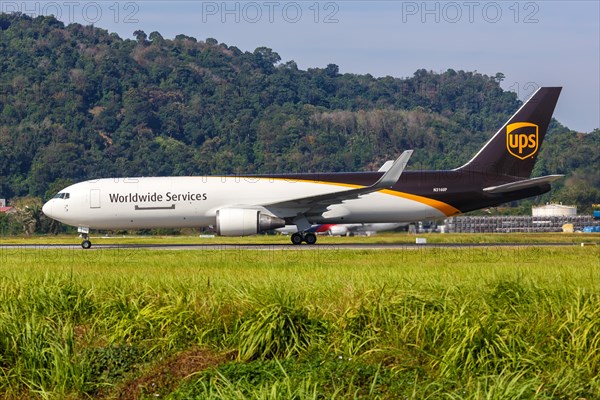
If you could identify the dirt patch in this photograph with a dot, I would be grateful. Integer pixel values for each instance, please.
(164, 377)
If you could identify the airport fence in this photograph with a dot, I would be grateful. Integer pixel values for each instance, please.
(506, 224)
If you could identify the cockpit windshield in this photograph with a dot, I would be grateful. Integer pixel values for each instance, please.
(63, 196)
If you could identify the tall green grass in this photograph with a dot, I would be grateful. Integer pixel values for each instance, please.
(474, 323)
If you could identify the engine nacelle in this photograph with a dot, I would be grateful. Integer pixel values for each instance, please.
(338, 230)
(244, 222)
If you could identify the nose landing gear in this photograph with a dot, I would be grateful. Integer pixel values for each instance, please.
(86, 244)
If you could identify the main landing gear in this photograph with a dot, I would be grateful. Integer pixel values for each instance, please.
(307, 237)
(302, 236)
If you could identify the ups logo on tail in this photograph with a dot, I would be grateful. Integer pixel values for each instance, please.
(522, 139)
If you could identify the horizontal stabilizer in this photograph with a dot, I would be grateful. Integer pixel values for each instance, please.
(527, 183)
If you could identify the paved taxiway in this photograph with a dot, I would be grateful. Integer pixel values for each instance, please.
(265, 247)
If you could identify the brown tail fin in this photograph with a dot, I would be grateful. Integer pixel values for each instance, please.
(513, 150)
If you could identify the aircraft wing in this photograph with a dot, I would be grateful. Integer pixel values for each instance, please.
(318, 204)
(524, 184)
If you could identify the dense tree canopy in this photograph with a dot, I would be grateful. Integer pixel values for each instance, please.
(78, 102)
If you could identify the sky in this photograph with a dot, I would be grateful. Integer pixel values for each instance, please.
(533, 43)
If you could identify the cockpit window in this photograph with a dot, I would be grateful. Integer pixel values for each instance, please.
(61, 196)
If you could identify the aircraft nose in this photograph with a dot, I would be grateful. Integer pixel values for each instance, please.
(47, 209)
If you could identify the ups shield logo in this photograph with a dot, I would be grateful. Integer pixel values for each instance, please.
(522, 139)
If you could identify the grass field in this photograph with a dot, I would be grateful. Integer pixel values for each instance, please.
(427, 323)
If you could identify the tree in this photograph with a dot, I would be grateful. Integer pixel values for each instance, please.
(332, 70)
(266, 58)
(140, 36)
(28, 213)
(156, 37)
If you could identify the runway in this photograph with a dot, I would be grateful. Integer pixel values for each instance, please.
(289, 247)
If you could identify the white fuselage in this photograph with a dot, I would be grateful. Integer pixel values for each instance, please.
(179, 202)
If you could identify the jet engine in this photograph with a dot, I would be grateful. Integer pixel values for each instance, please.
(338, 230)
(244, 222)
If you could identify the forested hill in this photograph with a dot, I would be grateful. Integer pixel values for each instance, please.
(79, 102)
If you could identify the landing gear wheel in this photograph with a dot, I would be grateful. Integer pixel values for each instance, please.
(296, 238)
(310, 238)
(86, 244)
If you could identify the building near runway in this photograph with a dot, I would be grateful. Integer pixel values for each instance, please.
(4, 208)
(547, 218)
(554, 210)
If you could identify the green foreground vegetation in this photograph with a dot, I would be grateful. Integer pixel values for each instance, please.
(466, 323)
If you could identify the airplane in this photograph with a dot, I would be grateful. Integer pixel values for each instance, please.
(246, 205)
